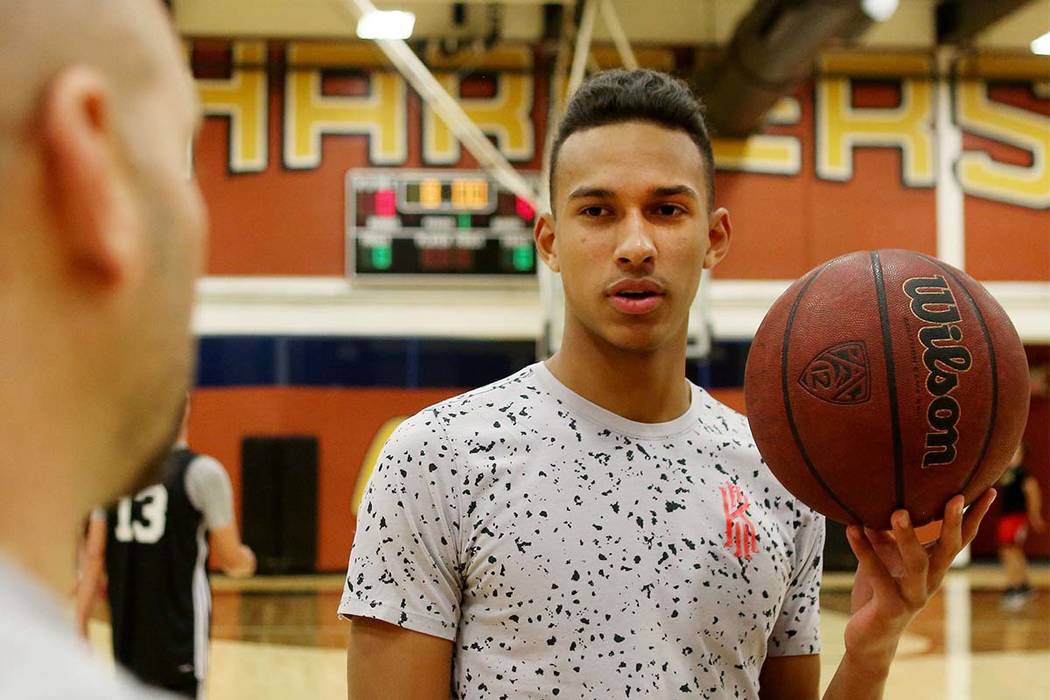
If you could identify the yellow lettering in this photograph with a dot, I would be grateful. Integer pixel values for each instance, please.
(842, 127)
(764, 153)
(507, 115)
(978, 173)
(243, 99)
(606, 57)
(380, 115)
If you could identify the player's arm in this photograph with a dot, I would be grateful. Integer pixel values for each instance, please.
(896, 576)
(791, 670)
(403, 586)
(1034, 502)
(378, 654)
(92, 565)
(232, 556)
(790, 678)
(208, 487)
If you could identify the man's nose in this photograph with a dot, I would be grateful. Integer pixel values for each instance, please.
(636, 247)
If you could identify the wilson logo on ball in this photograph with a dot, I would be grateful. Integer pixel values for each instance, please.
(839, 374)
(945, 357)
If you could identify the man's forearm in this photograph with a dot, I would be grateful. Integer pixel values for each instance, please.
(859, 680)
(87, 592)
(245, 564)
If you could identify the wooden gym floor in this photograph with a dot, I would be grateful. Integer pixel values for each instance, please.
(280, 638)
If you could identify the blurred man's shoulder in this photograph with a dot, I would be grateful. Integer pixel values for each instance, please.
(41, 656)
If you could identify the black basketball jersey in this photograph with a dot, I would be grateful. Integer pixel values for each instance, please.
(1011, 490)
(159, 596)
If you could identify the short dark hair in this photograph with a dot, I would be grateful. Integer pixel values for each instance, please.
(643, 95)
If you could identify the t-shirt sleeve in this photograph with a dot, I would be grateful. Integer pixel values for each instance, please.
(208, 488)
(404, 563)
(797, 629)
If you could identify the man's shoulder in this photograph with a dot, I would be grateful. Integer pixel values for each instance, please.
(28, 661)
(449, 428)
(727, 429)
(460, 412)
(734, 449)
(205, 467)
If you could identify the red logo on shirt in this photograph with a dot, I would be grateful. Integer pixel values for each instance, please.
(740, 531)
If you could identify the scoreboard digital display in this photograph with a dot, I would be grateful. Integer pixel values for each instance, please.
(437, 225)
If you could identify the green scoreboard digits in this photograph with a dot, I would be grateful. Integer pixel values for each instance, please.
(437, 225)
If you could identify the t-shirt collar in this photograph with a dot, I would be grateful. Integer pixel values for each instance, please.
(616, 422)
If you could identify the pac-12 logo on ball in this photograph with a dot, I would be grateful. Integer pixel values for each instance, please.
(945, 357)
(839, 374)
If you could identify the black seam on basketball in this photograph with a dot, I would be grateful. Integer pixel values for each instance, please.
(891, 377)
(995, 373)
(784, 384)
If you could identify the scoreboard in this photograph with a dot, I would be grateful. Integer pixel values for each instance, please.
(441, 226)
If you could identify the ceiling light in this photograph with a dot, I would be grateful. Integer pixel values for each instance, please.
(1041, 45)
(393, 24)
(879, 10)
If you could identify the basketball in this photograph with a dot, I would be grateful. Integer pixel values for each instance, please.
(883, 380)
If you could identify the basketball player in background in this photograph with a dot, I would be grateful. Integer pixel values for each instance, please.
(1022, 507)
(596, 526)
(101, 232)
(153, 549)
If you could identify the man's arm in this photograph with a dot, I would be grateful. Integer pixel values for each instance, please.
(790, 678)
(896, 576)
(209, 490)
(90, 579)
(791, 670)
(1034, 503)
(231, 555)
(403, 585)
(387, 661)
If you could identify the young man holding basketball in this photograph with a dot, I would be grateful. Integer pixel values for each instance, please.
(596, 525)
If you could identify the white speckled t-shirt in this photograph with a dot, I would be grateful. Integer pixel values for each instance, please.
(569, 552)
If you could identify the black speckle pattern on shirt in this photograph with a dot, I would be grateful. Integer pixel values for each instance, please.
(568, 552)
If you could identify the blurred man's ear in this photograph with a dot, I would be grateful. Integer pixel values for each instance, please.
(544, 235)
(86, 180)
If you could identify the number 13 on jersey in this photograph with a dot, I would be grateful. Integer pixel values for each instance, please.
(146, 526)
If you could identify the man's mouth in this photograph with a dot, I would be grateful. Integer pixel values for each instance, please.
(635, 287)
(635, 297)
(636, 294)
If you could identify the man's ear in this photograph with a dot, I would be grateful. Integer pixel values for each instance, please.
(719, 233)
(87, 185)
(545, 241)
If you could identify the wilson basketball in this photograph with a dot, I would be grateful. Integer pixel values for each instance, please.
(884, 380)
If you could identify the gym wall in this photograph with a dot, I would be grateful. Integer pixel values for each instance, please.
(848, 162)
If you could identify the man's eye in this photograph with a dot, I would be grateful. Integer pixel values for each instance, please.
(670, 210)
(594, 211)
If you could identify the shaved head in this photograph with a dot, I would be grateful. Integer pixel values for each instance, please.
(101, 240)
(130, 42)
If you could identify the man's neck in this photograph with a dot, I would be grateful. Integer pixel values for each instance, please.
(647, 387)
(46, 553)
(45, 502)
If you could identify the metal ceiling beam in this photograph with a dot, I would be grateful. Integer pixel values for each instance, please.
(489, 157)
(771, 52)
(959, 21)
(619, 36)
